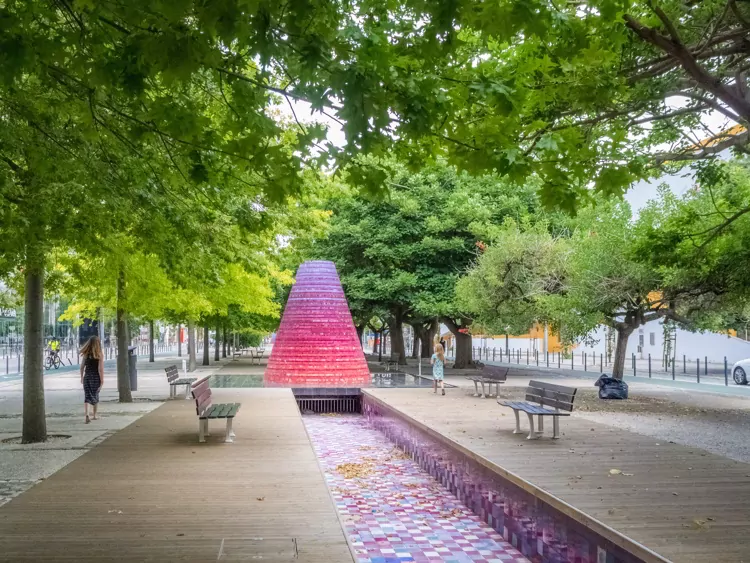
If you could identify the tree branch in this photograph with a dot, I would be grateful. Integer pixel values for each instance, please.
(679, 52)
(705, 151)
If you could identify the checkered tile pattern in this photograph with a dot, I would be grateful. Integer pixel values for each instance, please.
(392, 510)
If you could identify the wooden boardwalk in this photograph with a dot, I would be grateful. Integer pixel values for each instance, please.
(683, 503)
(152, 493)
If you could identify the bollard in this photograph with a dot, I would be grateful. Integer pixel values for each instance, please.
(501, 355)
(584, 361)
(19, 363)
(684, 364)
(572, 355)
(518, 356)
(184, 367)
(673, 368)
(536, 353)
(527, 356)
(7, 365)
(547, 358)
(705, 365)
(698, 369)
(493, 354)
(633, 365)
(649, 366)
(726, 373)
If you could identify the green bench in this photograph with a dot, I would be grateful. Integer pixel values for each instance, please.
(206, 410)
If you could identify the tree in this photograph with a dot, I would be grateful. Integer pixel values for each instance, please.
(404, 254)
(597, 273)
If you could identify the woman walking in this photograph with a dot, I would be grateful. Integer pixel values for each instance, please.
(92, 375)
(438, 363)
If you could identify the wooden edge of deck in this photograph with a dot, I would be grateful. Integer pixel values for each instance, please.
(617, 538)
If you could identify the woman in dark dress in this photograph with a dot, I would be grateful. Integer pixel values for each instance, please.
(92, 375)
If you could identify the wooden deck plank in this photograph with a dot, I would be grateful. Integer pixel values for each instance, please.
(151, 492)
(671, 486)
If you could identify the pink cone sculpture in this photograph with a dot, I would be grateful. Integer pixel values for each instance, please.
(317, 344)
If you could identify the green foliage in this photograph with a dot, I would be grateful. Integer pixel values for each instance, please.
(402, 255)
(507, 290)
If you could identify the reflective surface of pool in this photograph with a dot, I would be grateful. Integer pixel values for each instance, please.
(395, 380)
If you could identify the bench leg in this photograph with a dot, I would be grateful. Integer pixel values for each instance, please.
(476, 389)
(229, 435)
(483, 395)
(541, 425)
(532, 435)
(518, 422)
(555, 427)
(201, 431)
(187, 392)
(497, 390)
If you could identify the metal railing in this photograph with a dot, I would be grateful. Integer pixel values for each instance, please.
(713, 371)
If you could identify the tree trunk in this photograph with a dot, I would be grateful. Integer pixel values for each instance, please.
(360, 332)
(179, 340)
(380, 345)
(34, 421)
(191, 346)
(217, 341)
(397, 338)
(224, 343)
(464, 357)
(416, 329)
(123, 341)
(206, 346)
(427, 338)
(621, 348)
(151, 341)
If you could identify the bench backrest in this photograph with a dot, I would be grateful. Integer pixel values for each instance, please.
(202, 394)
(495, 372)
(172, 373)
(551, 395)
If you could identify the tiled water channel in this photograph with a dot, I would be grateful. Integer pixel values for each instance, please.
(392, 510)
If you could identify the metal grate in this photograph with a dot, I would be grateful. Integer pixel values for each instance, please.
(309, 405)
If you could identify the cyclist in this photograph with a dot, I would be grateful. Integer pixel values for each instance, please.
(53, 354)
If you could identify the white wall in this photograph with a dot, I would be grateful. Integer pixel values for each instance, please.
(692, 344)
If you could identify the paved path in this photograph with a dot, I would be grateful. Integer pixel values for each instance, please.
(23, 466)
(683, 503)
(150, 492)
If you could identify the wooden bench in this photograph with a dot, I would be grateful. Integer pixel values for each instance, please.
(538, 396)
(174, 379)
(391, 364)
(257, 354)
(206, 410)
(491, 375)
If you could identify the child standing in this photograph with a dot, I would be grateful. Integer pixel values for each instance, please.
(92, 375)
(438, 363)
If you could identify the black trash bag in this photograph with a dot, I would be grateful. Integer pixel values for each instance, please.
(611, 388)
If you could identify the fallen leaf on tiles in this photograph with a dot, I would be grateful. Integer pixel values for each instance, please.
(261, 498)
(615, 472)
(611, 511)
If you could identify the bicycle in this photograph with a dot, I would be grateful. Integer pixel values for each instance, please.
(53, 359)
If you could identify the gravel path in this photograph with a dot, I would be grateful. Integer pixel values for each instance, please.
(724, 434)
